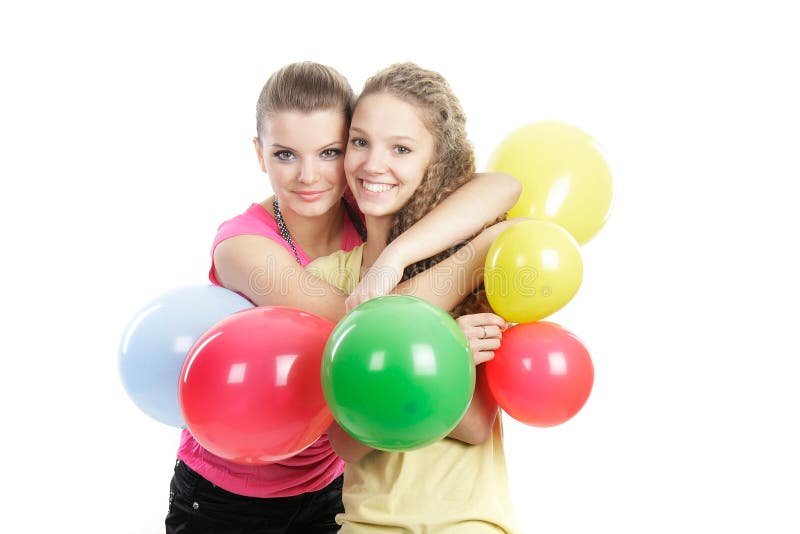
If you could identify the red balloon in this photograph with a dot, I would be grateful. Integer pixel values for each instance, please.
(250, 388)
(541, 375)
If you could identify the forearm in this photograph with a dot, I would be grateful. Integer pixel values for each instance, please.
(266, 274)
(448, 282)
(476, 425)
(304, 292)
(460, 216)
(346, 446)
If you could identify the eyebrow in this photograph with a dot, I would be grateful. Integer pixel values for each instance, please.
(324, 147)
(393, 137)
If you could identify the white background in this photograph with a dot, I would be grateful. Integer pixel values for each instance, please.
(126, 131)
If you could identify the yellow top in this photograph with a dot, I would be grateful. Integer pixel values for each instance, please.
(447, 487)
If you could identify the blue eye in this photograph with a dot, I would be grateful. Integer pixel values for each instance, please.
(284, 155)
(400, 149)
(359, 142)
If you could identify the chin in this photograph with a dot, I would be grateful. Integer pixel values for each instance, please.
(313, 209)
(378, 210)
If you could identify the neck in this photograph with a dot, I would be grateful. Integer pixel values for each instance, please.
(317, 236)
(377, 232)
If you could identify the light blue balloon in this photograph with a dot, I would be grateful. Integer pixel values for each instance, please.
(158, 338)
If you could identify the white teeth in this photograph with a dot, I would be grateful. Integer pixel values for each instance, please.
(376, 188)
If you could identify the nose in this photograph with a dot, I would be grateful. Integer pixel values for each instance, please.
(374, 162)
(308, 172)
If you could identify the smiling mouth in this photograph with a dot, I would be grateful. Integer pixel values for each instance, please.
(373, 187)
(309, 196)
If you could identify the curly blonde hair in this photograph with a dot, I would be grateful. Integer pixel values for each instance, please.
(453, 162)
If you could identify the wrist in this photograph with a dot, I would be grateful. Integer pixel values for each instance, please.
(394, 256)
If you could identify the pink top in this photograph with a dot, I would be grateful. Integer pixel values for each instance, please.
(310, 470)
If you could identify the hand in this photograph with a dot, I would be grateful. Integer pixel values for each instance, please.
(378, 280)
(484, 332)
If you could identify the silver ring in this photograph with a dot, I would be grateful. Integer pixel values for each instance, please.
(484, 332)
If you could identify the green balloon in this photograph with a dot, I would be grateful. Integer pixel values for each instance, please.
(398, 373)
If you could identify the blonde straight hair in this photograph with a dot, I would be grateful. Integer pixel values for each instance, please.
(304, 87)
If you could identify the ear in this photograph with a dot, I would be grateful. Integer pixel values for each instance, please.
(259, 153)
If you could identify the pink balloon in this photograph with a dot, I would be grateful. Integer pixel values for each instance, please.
(541, 375)
(250, 388)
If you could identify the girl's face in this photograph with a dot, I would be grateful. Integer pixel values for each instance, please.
(303, 153)
(387, 155)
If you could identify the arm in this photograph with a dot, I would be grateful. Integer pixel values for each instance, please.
(346, 446)
(474, 205)
(448, 282)
(268, 275)
(476, 425)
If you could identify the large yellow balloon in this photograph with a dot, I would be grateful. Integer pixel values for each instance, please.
(565, 178)
(532, 270)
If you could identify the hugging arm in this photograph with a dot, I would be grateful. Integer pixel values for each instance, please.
(264, 272)
(449, 281)
(474, 205)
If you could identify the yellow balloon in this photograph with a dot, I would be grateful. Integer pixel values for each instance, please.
(532, 270)
(564, 175)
